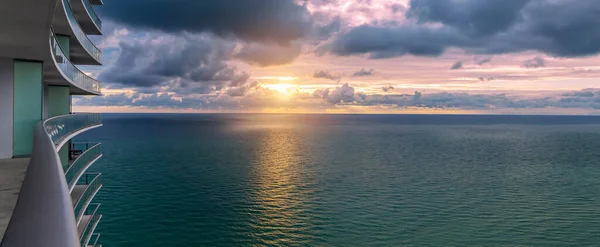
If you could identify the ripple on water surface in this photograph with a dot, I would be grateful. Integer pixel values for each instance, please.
(255, 180)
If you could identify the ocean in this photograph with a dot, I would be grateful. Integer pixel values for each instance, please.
(348, 180)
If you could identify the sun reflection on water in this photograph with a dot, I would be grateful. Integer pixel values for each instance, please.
(281, 214)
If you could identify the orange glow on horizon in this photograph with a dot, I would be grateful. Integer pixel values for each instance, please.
(283, 88)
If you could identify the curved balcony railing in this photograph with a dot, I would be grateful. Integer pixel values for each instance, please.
(76, 76)
(43, 215)
(62, 128)
(92, 12)
(90, 225)
(87, 44)
(96, 238)
(91, 188)
(83, 161)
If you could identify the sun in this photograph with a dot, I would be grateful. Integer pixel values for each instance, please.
(282, 88)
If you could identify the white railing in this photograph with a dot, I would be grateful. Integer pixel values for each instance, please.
(82, 162)
(93, 186)
(61, 128)
(92, 12)
(72, 73)
(44, 214)
(88, 45)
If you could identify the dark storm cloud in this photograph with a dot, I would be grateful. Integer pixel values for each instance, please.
(386, 42)
(563, 28)
(364, 72)
(568, 28)
(473, 17)
(325, 31)
(536, 62)
(257, 20)
(326, 75)
(263, 55)
(195, 64)
(121, 70)
(456, 66)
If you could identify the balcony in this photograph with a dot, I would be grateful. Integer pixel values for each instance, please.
(86, 15)
(84, 154)
(83, 193)
(94, 241)
(44, 201)
(81, 49)
(88, 224)
(63, 72)
(63, 128)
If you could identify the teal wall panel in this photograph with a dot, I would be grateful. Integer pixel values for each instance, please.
(63, 153)
(64, 42)
(27, 112)
(59, 101)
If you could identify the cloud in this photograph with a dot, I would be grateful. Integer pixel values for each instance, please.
(417, 96)
(279, 21)
(264, 55)
(396, 7)
(456, 66)
(190, 64)
(472, 17)
(324, 32)
(131, 100)
(560, 28)
(386, 42)
(257, 98)
(343, 94)
(486, 78)
(113, 36)
(444, 100)
(482, 60)
(364, 72)
(536, 62)
(326, 75)
(387, 88)
(241, 90)
(583, 99)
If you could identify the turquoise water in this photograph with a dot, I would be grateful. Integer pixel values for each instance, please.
(319, 180)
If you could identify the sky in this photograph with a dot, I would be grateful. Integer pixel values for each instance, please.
(348, 56)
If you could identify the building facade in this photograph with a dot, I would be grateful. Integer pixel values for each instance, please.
(41, 44)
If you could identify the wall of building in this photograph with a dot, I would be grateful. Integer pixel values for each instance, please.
(28, 93)
(45, 102)
(64, 42)
(63, 154)
(58, 102)
(6, 107)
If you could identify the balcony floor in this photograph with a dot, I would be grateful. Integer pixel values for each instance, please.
(12, 173)
(85, 220)
(78, 191)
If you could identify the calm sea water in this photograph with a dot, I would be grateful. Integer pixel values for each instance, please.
(336, 180)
